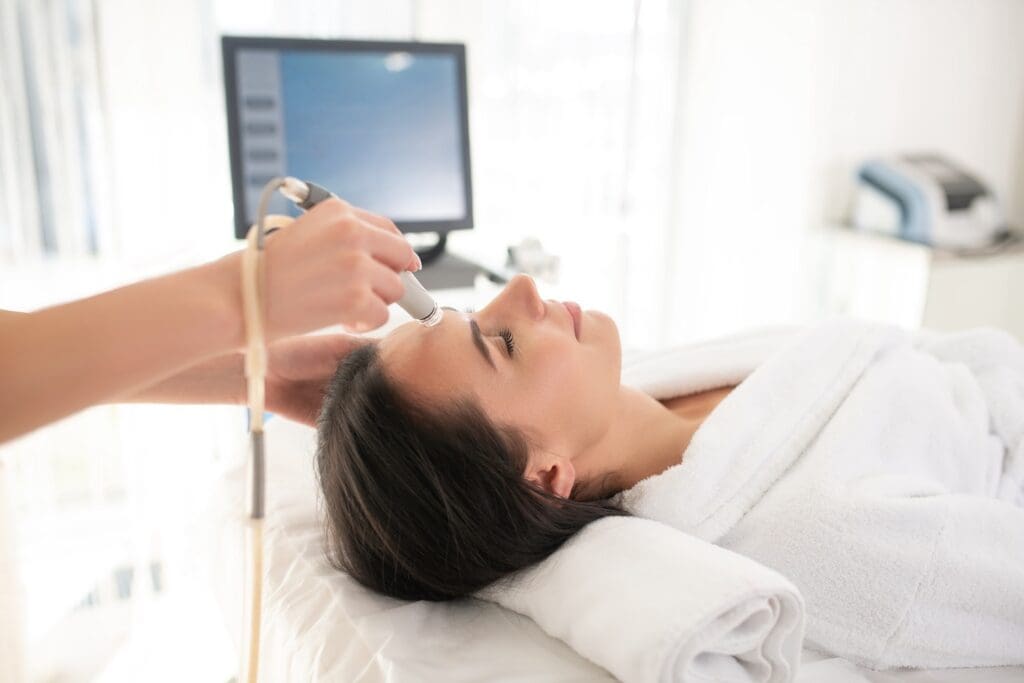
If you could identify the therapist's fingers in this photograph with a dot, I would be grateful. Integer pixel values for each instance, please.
(353, 232)
(382, 222)
(384, 282)
(332, 267)
(386, 224)
(390, 249)
(366, 312)
(342, 213)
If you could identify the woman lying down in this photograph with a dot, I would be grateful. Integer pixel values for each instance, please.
(881, 471)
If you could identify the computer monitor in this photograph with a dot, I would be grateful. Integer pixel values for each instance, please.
(382, 124)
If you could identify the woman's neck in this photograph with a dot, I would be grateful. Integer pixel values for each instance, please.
(644, 438)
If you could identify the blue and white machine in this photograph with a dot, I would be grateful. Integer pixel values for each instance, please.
(926, 199)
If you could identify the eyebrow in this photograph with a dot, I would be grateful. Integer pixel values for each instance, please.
(478, 339)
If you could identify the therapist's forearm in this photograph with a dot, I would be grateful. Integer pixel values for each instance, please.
(59, 360)
(217, 380)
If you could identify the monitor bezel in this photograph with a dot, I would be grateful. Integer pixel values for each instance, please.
(231, 44)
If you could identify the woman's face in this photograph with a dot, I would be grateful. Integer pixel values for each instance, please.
(559, 389)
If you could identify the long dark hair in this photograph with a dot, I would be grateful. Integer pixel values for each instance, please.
(430, 503)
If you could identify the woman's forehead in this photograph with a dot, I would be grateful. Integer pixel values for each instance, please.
(401, 345)
(412, 351)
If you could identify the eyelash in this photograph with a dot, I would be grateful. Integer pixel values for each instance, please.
(504, 333)
(510, 342)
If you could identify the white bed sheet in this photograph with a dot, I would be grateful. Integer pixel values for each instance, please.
(319, 625)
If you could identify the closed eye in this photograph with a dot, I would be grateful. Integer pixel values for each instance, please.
(510, 342)
(505, 333)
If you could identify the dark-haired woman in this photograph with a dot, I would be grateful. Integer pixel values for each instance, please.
(869, 465)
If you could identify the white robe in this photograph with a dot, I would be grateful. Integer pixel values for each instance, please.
(880, 470)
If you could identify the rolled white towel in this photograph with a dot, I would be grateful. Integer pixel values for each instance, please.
(650, 603)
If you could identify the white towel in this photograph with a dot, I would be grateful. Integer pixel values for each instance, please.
(879, 470)
(649, 603)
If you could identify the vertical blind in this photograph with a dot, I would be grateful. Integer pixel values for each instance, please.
(53, 190)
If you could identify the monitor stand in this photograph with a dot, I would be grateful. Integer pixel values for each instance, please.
(444, 270)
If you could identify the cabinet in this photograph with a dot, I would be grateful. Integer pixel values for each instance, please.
(881, 278)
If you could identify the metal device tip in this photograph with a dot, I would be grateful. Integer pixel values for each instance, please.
(434, 318)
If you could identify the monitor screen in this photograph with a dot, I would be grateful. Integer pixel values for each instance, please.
(382, 125)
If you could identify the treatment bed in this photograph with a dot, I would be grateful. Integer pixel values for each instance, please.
(320, 625)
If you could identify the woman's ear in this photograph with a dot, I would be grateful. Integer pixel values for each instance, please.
(556, 476)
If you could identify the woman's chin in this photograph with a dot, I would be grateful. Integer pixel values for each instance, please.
(604, 318)
(598, 314)
(606, 329)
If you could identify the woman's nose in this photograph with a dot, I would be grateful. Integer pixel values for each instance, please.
(521, 295)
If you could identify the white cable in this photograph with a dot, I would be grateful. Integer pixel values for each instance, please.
(253, 302)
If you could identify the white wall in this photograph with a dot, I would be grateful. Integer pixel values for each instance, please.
(784, 98)
(571, 110)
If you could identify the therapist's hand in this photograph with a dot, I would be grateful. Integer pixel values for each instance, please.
(298, 370)
(336, 264)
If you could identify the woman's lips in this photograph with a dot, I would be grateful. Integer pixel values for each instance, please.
(577, 316)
